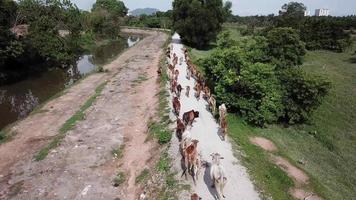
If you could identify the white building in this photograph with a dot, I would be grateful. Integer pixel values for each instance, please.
(306, 13)
(322, 12)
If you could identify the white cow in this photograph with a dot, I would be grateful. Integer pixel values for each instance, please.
(218, 175)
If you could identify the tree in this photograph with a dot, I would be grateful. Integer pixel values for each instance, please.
(285, 47)
(106, 16)
(303, 93)
(326, 33)
(251, 89)
(197, 21)
(45, 18)
(291, 15)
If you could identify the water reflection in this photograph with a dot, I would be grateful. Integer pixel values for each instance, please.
(19, 99)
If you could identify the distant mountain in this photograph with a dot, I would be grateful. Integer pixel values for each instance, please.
(142, 11)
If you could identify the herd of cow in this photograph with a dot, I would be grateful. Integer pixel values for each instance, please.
(191, 159)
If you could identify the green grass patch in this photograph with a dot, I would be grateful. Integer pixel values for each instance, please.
(164, 163)
(3, 136)
(161, 132)
(119, 179)
(118, 152)
(268, 177)
(69, 124)
(143, 177)
(140, 79)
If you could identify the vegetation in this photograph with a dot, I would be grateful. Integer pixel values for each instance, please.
(33, 32)
(69, 124)
(157, 20)
(119, 179)
(118, 152)
(323, 146)
(199, 22)
(144, 175)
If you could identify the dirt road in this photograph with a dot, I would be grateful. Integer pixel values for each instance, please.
(82, 167)
(205, 129)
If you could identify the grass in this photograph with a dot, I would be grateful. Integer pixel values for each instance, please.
(140, 79)
(119, 179)
(326, 145)
(69, 124)
(118, 152)
(143, 177)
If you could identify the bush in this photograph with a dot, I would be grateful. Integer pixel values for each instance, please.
(248, 88)
(303, 93)
(285, 47)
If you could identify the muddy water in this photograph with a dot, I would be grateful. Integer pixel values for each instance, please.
(19, 99)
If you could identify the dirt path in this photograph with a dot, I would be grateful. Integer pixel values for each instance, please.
(205, 129)
(82, 167)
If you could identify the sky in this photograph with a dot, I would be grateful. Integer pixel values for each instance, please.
(245, 7)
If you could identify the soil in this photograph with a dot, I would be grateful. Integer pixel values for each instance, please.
(83, 167)
(263, 143)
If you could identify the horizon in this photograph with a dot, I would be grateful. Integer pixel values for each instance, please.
(243, 7)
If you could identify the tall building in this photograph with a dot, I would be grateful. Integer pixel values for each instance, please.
(322, 12)
(306, 13)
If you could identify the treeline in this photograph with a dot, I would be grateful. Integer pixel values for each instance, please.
(52, 31)
(327, 32)
(161, 20)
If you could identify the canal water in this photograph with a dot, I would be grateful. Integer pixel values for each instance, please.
(19, 99)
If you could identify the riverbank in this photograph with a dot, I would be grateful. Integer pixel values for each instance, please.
(109, 115)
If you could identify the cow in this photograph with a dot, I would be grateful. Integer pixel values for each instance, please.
(195, 196)
(198, 88)
(179, 90)
(190, 116)
(171, 68)
(176, 74)
(176, 105)
(223, 127)
(180, 129)
(187, 90)
(173, 86)
(222, 112)
(186, 141)
(212, 104)
(189, 74)
(190, 157)
(207, 93)
(218, 175)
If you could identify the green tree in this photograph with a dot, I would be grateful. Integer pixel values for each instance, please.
(45, 18)
(303, 93)
(106, 17)
(291, 15)
(285, 47)
(197, 21)
(251, 89)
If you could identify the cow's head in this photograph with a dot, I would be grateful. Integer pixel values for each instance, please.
(215, 158)
(196, 114)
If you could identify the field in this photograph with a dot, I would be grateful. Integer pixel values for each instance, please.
(324, 148)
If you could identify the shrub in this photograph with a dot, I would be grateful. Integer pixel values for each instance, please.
(303, 93)
(251, 89)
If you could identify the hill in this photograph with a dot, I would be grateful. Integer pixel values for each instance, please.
(143, 11)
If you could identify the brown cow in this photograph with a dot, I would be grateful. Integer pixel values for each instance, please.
(179, 90)
(174, 86)
(198, 88)
(171, 68)
(190, 116)
(187, 91)
(176, 74)
(223, 127)
(207, 93)
(190, 156)
(176, 105)
(195, 197)
(180, 129)
(212, 104)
